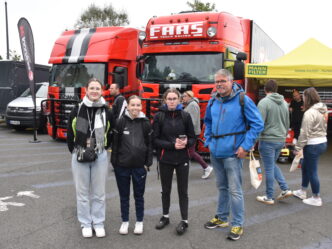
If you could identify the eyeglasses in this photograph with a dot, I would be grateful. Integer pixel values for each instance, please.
(220, 81)
(171, 99)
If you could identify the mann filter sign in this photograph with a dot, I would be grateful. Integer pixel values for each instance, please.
(178, 31)
(257, 70)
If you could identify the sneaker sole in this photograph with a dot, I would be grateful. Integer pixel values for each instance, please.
(268, 203)
(300, 197)
(216, 226)
(233, 239)
(284, 197)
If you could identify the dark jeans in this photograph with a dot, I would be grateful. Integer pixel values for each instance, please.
(194, 155)
(311, 154)
(166, 176)
(123, 177)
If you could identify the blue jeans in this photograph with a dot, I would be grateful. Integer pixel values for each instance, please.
(90, 183)
(228, 172)
(123, 178)
(311, 155)
(269, 153)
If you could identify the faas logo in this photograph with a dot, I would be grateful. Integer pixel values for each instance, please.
(178, 30)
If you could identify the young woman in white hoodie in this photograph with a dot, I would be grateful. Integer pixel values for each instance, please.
(313, 141)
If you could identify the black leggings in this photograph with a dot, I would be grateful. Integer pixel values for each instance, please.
(166, 176)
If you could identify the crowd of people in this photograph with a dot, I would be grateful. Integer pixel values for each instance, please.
(233, 125)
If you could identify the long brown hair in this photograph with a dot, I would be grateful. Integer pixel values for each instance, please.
(311, 97)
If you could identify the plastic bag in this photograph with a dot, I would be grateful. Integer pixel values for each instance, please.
(255, 171)
(296, 161)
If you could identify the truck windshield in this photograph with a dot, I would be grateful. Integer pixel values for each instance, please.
(182, 68)
(76, 75)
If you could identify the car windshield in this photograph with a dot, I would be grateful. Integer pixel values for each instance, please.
(76, 75)
(41, 91)
(182, 68)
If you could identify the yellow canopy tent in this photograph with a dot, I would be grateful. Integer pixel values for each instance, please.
(308, 65)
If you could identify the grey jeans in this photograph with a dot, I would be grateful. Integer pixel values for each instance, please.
(90, 184)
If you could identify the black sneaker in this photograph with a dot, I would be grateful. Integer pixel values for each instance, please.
(215, 222)
(182, 227)
(235, 233)
(162, 223)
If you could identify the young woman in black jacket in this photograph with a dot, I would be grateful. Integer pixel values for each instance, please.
(89, 126)
(131, 156)
(173, 136)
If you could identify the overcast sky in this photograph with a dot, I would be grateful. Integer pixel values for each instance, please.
(288, 22)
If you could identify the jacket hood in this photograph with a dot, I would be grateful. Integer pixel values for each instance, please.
(321, 107)
(141, 115)
(165, 108)
(276, 97)
(194, 99)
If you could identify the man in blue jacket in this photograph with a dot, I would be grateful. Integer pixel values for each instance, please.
(232, 126)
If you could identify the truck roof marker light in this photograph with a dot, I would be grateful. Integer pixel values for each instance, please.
(171, 21)
(211, 32)
(179, 20)
(141, 35)
(186, 19)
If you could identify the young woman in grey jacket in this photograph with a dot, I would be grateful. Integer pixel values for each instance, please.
(313, 141)
(192, 107)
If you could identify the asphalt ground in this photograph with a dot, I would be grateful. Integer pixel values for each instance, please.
(50, 221)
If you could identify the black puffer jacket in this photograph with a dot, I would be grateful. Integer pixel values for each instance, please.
(132, 142)
(167, 126)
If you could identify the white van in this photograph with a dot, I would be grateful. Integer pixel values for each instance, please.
(19, 112)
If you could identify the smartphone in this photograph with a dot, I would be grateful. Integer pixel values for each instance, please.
(182, 137)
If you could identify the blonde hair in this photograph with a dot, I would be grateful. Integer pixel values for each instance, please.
(189, 93)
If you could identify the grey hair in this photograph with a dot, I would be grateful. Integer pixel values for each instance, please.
(226, 73)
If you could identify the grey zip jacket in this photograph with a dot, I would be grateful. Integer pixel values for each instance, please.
(314, 125)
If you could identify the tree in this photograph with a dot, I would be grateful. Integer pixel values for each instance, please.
(14, 56)
(95, 16)
(197, 5)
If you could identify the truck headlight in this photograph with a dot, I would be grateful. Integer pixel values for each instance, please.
(211, 32)
(141, 35)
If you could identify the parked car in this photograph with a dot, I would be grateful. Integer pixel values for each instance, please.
(19, 112)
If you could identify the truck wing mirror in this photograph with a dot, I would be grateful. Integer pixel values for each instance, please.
(241, 56)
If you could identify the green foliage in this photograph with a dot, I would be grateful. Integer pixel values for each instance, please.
(14, 56)
(200, 6)
(95, 16)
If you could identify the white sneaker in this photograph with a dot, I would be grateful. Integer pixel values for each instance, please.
(87, 232)
(314, 201)
(100, 232)
(207, 172)
(265, 200)
(284, 194)
(300, 194)
(138, 228)
(124, 228)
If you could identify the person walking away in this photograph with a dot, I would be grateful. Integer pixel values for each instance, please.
(173, 136)
(274, 110)
(119, 103)
(131, 156)
(89, 126)
(296, 110)
(313, 141)
(192, 107)
(231, 130)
